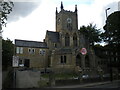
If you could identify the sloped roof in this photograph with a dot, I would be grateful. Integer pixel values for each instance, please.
(53, 36)
(26, 43)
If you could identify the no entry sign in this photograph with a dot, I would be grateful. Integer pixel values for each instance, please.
(83, 51)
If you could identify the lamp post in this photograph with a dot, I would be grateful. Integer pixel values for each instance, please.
(111, 77)
(0, 23)
(0, 50)
(106, 12)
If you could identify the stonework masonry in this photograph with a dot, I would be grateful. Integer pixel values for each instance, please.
(61, 48)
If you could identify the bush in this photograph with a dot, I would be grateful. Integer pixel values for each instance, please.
(43, 83)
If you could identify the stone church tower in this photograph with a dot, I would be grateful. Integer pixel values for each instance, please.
(67, 26)
(66, 43)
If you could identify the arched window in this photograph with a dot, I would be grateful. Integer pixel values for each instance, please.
(74, 39)
(78, 60)
(87, 61)
(69, 26)
(67, 40)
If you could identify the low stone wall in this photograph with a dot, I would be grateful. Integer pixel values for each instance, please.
(27, 79)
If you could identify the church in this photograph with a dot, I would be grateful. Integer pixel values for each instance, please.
(63, 50)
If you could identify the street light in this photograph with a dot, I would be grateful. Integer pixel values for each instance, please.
(0, 23)
(106, 12)
(111, 79)
(107, 22)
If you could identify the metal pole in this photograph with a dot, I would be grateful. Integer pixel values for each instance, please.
(106, 12)
(0, 23)
(0, 50)
(14, 77)
(111, 77)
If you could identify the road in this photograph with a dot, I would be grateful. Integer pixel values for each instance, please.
(108, 84)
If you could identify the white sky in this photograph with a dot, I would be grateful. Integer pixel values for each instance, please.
(34, 26)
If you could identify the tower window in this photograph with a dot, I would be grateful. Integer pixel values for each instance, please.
(69, 26)
(58, 21)
(63, 59)
(67, 40)
(75, 40)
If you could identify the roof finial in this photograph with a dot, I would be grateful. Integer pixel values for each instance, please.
(56, 10)
(75, 8)
(61, 5)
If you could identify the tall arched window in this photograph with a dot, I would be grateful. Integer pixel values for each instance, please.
(69, 26)
(78, 60)
(87, 61)
(74, 39)
(67, 40)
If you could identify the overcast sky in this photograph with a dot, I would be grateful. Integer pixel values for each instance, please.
(30, 20)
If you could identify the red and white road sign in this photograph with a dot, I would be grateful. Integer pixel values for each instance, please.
(83, 51)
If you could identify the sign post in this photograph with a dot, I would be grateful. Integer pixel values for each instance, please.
(83, 51)
(15, 64)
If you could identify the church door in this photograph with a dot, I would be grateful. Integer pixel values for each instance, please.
(78, 60)
(87, 61)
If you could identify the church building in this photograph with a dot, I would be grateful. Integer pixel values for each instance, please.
(62, 50)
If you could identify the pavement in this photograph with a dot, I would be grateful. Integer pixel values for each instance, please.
(86, 85)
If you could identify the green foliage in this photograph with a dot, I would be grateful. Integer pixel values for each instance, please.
(91, 33)
(7, 82)
(65, 75)
(7, 53)
(112, 28)
(43, 83)
(112, 37)
(45, 75)
(6, 8)
(60, 75)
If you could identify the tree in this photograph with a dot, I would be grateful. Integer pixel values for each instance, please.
(91, 33)
(5, 9)
(7, 53)
(112, 37)
(112, 29)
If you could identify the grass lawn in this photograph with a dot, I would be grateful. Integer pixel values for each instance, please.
(61, 75)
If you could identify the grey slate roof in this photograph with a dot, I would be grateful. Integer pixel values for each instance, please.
(53, 36)
(26, 43)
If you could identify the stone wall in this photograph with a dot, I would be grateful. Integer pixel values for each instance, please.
(37, 60)
(27, 79)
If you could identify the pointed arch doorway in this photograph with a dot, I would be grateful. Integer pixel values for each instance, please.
(78, 60)
(87, 61)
